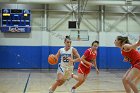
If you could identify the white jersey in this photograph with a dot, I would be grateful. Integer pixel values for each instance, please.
(64, 67)
(64, 56)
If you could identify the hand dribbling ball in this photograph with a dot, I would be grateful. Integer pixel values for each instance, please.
(52, 59)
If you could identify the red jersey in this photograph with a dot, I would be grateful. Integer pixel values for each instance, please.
(133, 55)
(90, 55)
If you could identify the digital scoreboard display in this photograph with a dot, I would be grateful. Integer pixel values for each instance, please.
(16, 20)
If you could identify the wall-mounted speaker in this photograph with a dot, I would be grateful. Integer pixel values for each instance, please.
(72, 24)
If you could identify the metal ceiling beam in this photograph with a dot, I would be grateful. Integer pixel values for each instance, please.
(90, 2)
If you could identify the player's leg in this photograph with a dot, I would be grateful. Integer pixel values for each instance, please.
(132, 75)
(125, 83)
(75, 77)
(137, 80)
(60, 80)
(81, 79)
(68, 73)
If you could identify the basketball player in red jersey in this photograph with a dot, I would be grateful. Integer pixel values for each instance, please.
(87, 61)
(132, 76)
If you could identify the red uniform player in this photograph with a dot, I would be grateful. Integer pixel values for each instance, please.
(87, 61)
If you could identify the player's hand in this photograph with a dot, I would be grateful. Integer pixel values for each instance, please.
(126, 59)
(91, 65)
(97, 70)
(56, 58)
(139, 40)
(70, 60)
(52, 55)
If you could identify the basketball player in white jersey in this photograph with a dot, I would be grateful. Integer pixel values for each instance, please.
(66, 66)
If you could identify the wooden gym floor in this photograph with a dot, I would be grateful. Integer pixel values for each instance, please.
(38, 81)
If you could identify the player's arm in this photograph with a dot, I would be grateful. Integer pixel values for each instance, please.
(95, 66)
(83, 58)
(76, 54)
(84, 61)
(137, 44)
(94, 63)
(57, 54)
(133, 46)
(128, 47)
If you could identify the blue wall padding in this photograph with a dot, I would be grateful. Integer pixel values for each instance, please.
(37, 56)
(111, 58)
(20, 57)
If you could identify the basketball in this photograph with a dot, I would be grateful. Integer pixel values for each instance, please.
(52, 59)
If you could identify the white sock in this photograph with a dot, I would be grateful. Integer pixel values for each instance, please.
(50, 90)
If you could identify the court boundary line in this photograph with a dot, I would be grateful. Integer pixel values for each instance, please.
(26, 85)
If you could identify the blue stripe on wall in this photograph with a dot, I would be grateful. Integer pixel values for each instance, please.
(37, 56)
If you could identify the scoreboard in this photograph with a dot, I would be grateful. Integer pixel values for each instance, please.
(16, 20)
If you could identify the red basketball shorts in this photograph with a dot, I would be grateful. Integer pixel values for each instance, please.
(83, 69)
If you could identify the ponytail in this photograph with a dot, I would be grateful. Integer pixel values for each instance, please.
(123, 40)
(67, 37)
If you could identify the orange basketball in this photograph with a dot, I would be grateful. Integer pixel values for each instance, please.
(52, 59)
